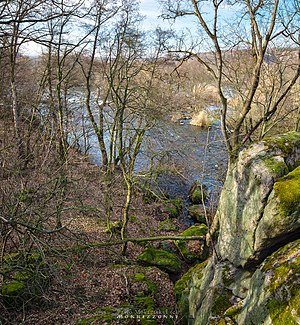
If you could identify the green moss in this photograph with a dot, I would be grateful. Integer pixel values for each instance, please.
(197, 212)
(14, 288)
(104, 315)
(196, 230)
(139, 277)
(197, 193)
(182, 290)
(285, 142)
(183, 283)
(287, 190)
(193, 250)
(226, 276)
(24, 278)
(283, 255)
(168, 225)
(234, 310)
(277, 167)
(221, 302)
(141, 310)
(17, 261)
(173, 207)
(152, 287)
(145, 302)
(284, 300)
(286, 312)
(160, 258)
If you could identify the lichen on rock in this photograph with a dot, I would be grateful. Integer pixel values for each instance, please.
(253, 276)
(182, 289)
(248, 208)
(274, 294)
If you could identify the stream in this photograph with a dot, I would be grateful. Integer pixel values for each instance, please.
(180, 152)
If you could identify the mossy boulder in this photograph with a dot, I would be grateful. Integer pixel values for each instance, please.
(198, 193)
(287, 145)
(182, 290)
(173, 207)
(259, 204)
(281, 216)
(274, 294)
(215, 290)
(287, 192)
(197, 213)
(193, 250)
(25, 277)
(160, 258)
(168, 225)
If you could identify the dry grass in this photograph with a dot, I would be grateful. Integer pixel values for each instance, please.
(200, 119)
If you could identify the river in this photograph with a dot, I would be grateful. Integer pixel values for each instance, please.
(183, 153)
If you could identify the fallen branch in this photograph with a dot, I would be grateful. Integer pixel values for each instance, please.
(138, 240)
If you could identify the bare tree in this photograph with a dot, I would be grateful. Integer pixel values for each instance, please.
(18, 20)
(259, 29)
(100, 14)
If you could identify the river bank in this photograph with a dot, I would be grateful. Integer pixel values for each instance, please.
(80, 282)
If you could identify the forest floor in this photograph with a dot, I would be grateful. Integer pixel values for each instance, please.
(84, 281)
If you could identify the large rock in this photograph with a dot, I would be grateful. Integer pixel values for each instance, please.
(281, 215)
(193, 250)
(220, 293)
(255, 212)
(258, 215)
(160, 258)
(274, 294)
(182, 290)
(215, 289)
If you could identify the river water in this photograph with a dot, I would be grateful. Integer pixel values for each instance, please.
(181, 153)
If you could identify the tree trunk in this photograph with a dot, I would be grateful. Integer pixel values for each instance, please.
(16, 118)
(126, 214)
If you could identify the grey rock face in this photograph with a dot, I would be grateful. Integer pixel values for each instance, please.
(255, 279)
(273, 297)
(249, 209)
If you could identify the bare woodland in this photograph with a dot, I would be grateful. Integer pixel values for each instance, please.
(79, 218)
